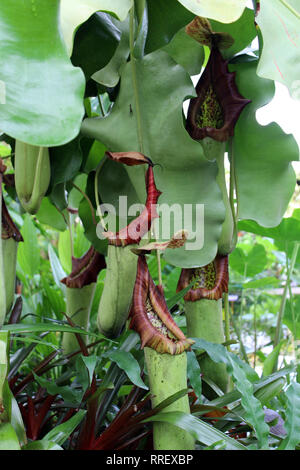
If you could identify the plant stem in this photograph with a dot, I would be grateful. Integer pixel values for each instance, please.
(204, 320)
(227, 318)
(2, 274)
(284, 295)
(237, 332)
(168, 375)
(79, 303)
(289, 7)
(134, 81)
(71, 237)
(101, 105)
(88, 201)
(242, 348)
(98, 207)
(232, 190)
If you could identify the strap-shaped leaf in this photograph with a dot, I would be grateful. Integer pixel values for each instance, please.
(292, 422)
(200, 430)
(254, 414)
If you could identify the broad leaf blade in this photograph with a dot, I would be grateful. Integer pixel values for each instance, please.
(42, 102)
(225, 11)
(280, 58)
(262, 155)
(186, 189)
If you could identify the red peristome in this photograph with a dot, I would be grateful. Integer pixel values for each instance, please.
(85, 270)
(146, 291)
(221, 282)
(135, 231)
(216, 74)
(9, 229)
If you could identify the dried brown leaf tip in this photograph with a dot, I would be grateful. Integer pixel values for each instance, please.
(85, 270)
(218, 105)
(177, 241)
(135, 231)
(129, 158)
(151, 318)
(9, 229)
(200, 30)
(210, 281)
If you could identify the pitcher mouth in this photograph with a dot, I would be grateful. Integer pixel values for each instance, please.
(85, 270)
(150, 316)
(218, 105)
(211, 281)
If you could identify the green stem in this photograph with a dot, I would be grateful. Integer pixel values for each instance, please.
(232, 191)
(116, 298)
(205, 320)
(79, 303)
(238, 334)
(87, 200)
(284, 295)
(215, 151)
(168, 375)
(242, 348)
(2, 273)
(98, 207)
(134, 81)
(71, 236)
(227, 318)
(289, 7)
(255, 333)
(101, 106)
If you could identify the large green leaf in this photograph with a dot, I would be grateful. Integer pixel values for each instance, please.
(110, 74)
(73, 14)
(186, 52)
(43, 101)
(165, 18)
(243, 32)
(262, 155)
(95, 43)
(184, 175)
(225, 11)
(48, 214)
(8, 437)
(287, 231)
(249, 264)
(280, 59)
